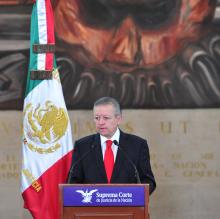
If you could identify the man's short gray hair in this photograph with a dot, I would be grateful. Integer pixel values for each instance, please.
(107, 101)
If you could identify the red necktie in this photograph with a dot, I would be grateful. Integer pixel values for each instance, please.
(109, 160)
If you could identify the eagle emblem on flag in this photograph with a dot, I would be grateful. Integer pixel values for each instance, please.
(44, 124)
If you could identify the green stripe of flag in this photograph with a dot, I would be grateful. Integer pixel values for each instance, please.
(31, 84)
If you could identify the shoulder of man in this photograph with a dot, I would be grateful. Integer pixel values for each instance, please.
(90, 139)
(132, 137)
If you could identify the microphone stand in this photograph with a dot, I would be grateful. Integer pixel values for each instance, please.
(77, 161)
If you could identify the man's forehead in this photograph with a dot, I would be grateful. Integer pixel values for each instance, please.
(104, 106)
(104, 109)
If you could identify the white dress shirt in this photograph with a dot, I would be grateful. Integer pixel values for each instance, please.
(116, 137)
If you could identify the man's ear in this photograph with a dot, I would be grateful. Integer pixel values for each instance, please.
(119, 118)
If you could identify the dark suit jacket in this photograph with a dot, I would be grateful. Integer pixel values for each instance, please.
(88, 165)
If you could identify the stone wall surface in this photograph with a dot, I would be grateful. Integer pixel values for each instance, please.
(184, 147)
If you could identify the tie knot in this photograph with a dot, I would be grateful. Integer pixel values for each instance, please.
(108, 144)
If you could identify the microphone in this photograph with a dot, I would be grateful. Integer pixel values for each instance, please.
(137, 176)
(93, 146)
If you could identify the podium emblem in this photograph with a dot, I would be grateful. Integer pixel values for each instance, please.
(87, 195)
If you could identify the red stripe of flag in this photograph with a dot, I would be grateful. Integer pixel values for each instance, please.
(45, 203)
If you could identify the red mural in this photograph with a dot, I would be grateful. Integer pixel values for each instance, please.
(147, 54)
(120, 42)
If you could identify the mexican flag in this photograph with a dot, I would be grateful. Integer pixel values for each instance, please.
(47, 138)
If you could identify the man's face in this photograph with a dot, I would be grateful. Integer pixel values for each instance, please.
(106, 121)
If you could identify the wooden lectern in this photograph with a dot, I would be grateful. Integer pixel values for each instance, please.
(104, 201)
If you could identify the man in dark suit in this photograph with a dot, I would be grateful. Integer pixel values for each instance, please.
(111, 156)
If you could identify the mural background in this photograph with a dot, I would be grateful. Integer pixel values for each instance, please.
(157, 54)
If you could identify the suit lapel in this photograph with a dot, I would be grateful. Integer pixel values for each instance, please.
(99, 157)
(119, 158)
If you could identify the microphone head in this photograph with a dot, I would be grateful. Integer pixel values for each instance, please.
(116, 142)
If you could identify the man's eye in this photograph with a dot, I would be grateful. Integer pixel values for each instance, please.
(106, 118)
(97, 118)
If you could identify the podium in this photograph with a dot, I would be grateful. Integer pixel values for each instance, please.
(104, 201)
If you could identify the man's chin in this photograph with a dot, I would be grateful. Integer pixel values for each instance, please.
(103, 133)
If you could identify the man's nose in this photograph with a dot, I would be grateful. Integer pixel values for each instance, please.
(101, 120)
